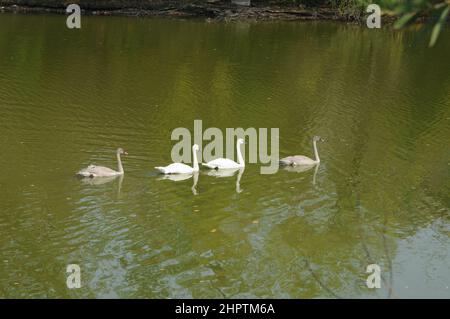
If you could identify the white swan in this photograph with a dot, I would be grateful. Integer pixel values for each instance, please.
(180, 168)
(225, 163)
(303, 160)
(101, 171)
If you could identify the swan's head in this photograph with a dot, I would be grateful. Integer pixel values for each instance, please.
(121, 151)
(240, 141)
(317, 139)
(195, 148)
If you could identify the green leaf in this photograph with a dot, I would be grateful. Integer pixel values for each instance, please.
(405, 19)
(438, 26)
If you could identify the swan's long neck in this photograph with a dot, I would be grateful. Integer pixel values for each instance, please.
(239, 155)
(195, 161)
(119, 164)
(316, 153)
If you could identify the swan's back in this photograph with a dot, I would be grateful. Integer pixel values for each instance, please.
(222, 163)
(175, 168)
(297, 160)
(97, 171)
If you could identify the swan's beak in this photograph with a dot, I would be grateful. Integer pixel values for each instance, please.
(125, 153)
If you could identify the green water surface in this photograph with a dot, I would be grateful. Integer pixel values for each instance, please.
(68, 98)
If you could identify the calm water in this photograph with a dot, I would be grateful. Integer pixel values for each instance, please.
(68, 98)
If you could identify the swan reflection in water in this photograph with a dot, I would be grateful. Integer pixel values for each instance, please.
(301, 169)
(215, 173)
(183, 177)
(96, 181)
(229, 173)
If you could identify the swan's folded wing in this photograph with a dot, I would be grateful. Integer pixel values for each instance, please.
(175, 168)
(221, 163)
(97, 171)
(286, 160)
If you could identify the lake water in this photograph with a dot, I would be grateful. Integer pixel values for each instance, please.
(68, 98)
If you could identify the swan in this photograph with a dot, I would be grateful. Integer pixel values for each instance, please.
(101, 171)
(303, 160)
(225, 163)
(180, 168)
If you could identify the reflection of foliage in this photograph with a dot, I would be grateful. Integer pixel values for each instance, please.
(407, 11)
(411, 10)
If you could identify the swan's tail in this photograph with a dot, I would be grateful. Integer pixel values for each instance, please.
(285, 162)
(83, 173)
(209, 166)
(161, 169)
